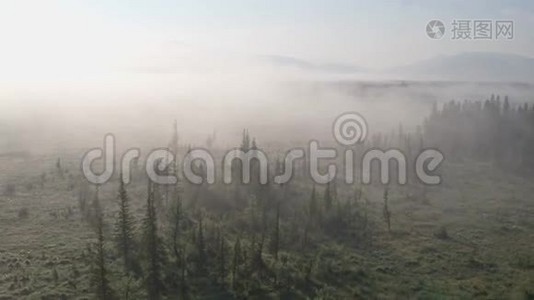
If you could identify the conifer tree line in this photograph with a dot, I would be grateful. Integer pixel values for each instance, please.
(494, 130)
(229, 241)
(254, 240)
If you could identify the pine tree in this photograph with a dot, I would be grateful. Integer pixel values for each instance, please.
(100, 280)
(275, 240)
(124, 228)
(245, 143)
(55, 276)
(95, 210)
(173, 144)
(222, 256)
(279, 168)
(176, 230)
(386, 212)
(328, 197)
(314, 216)
(236, 262)
(183, 283)
(82, 200)
(153, 249)
(211, 139)
(506, 105)
(201, 246)
(58, 167)
(314, 209)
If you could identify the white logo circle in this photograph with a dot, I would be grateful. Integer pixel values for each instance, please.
(435, 29)
(350, 128)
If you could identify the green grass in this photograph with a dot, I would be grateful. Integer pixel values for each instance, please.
(488, 216)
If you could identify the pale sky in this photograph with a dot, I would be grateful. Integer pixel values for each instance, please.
(79, 39)
(67, 64)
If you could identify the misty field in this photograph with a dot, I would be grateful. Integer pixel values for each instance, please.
(470, 237)
(179, 149)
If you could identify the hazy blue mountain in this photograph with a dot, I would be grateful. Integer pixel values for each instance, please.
(470, 66)
(287, 61)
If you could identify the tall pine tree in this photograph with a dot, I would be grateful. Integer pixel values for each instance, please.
(100, 280)
(154, 252)
(328, 201)
(124, 229)
(385, 211)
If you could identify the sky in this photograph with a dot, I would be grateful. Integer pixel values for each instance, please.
(80, 61)
(49, 39)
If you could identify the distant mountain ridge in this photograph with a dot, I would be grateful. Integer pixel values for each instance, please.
(466, 66)
(471, 66)
(288, 61)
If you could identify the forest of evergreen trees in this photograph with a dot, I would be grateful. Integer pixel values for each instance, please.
(233, 241)
(490, 130)
(254, 240)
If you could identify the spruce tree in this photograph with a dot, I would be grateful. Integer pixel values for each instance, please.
(176, 230)
(275, 239)
(236, 262)
(100, 281)
(153, 249)
(386, 212)
(328, 197)
(506, 105)
(222, 256)
(201, 246)
(124, 228)
(313, 208)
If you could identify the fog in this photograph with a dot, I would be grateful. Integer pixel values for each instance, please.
(425, 110)
(278, 105)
